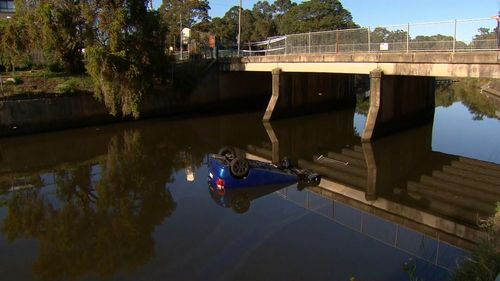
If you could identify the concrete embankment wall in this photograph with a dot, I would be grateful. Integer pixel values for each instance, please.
(216, 92)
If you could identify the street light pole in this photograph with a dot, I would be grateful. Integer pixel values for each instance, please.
(498, 30)
(180, 31)
(239, 30)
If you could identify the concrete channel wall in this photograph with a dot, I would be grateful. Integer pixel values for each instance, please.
(216, 91)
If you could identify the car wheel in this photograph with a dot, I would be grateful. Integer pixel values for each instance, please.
(239, 167)
(227, 151)
(240, 204)
(315, 181)
(285, 163)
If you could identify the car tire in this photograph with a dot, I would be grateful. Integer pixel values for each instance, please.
(227, 151)
(285, 163)
(239, 167)
(315, 181)
(240, 204)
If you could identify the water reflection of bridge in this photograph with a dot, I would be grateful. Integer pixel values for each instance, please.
(404, 235)
(397, 178)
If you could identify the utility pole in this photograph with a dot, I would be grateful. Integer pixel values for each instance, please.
(239, 30)
(498, 29)
(180, 31)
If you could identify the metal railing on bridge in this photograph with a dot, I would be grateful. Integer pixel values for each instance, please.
(445, 36)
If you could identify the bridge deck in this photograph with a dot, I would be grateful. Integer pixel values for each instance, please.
(449, 64)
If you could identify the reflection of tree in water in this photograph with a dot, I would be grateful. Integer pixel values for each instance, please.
(468, 91)
(97, 230)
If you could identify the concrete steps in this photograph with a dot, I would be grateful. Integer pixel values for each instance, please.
(469, 188)
(486, 189)
(344, 158)
(479, 163)
(354, 154)
(358, 148)
(452, 198)
(459, 189)
(262, 152)
(451, 210)
(480, 170)
(340, 166)
(472, 175)
(334, 174)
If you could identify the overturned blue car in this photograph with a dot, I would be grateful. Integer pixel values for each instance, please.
(234, 181)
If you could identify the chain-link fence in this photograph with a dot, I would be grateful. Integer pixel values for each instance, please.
(455, 35)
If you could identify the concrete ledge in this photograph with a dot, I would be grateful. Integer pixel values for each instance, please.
(390, 57)
(365, 57)
(432, 58)
(338, 58)
(410, 69)
(486, 57)
(482, 58)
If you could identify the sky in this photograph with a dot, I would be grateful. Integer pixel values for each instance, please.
(392, 12)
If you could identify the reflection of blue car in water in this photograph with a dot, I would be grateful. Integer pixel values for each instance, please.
(234, 181)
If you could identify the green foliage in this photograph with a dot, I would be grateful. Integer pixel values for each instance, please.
(484, 263)
(100, 229)
(187, 13)
(68, 87)
(468, 91)
(127, 55)
(315, 15)
(282, 17)
(13, 44)
(62, 33)
(410, 268)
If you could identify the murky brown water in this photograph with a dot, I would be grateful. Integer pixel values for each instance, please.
(131, 201)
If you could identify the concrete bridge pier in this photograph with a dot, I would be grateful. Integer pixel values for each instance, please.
(301, 93)
(398, 102)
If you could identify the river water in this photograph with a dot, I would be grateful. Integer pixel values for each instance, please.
(131, 201)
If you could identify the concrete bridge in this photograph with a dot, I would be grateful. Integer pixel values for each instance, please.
(401, 84)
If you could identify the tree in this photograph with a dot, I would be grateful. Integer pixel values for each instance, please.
(63, 33)
(315, 15)
(486, 39)
(434, 42)
(224, 32)
(96, 229)
(264, 25)
(19, 35)
(13, 44)
(187, 13)
(281, 7)
(126, 54)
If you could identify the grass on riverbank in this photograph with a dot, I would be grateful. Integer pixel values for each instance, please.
(484, 263)
(37, 82)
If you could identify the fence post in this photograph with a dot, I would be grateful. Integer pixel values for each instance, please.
(369, 41)
(309, 42)
(408, 39)
(336, 41)
(455, 36)
(285, 43)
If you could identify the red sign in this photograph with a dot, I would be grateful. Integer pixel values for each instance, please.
(211, 41)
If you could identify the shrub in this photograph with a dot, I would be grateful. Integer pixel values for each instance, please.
(484, 263)
(67, 87)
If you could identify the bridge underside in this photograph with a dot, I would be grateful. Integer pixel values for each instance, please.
(396, 102)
